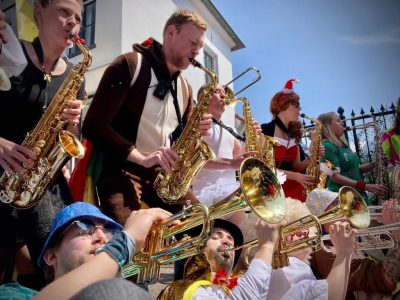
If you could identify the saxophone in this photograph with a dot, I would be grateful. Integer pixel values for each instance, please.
(52, 145)
(192, 151)
(263, 145)
(313, 168)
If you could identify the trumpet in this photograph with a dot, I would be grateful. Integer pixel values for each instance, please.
(379, 237)
(351, 206)
(162, 248)
(259, 189)
(287, 246)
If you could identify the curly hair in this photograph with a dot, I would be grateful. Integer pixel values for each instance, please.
(280, 102)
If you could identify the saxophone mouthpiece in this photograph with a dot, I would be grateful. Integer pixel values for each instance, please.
(76, 38)
(195, 62)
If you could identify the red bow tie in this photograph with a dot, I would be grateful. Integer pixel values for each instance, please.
(222, 278)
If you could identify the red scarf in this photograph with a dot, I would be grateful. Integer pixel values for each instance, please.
(221, 278)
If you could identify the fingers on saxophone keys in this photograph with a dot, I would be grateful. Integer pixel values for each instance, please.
(26, 153)
(12, 166)
(6, 167)
(168, 159)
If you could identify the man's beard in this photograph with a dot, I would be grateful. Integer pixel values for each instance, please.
(179, 61)
(222, 263)
(70, 264)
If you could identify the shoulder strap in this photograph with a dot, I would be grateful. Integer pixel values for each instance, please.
(185, 91)
(30, 52)
(134, 60)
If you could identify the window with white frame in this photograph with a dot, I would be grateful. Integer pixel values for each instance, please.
(210, 62)
(88, 27)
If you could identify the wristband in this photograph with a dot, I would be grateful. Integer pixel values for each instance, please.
(361, 185)
(119, 249)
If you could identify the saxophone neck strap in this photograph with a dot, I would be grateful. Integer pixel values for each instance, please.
(230, 130)
(176, 102)
(282, 127)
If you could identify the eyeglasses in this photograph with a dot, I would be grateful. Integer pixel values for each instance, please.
(88, 228)
(295, 104)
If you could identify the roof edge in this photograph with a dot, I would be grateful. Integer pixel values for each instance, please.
(220, 19)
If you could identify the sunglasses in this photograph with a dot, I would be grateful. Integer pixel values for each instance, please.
(87, 228)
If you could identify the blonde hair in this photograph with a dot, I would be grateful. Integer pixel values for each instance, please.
(182, 16)
(327, 133)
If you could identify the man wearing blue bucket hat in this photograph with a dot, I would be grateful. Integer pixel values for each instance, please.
(84, 247)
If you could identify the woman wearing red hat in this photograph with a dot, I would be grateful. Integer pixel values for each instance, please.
(286, 128)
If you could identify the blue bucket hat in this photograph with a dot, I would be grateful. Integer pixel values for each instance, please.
(67, 215)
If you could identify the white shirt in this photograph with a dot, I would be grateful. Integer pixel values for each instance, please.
(296, 281)
(252, 285)
(213, 185)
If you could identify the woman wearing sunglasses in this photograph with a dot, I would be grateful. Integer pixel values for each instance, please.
(286, 128)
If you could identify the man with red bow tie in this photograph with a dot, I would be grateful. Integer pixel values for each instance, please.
(216, 264)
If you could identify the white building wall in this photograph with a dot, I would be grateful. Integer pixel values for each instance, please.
(120, 23)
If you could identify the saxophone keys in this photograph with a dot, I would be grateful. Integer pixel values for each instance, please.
(33, 180)
(5, 197)
(26, 196)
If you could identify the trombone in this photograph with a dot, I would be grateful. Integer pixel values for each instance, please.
(259, 189)
(376, 210)
(379, 237)
(362, 126)
(229, 92)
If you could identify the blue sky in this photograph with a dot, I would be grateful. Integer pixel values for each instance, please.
(344, 52)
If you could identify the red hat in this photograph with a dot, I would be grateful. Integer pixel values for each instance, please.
(288, 88)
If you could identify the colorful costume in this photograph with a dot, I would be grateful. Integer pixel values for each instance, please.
(346, 162)
(295, 281)
(285, 154)
(391, 145)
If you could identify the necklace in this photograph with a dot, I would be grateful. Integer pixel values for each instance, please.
(37, 46)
